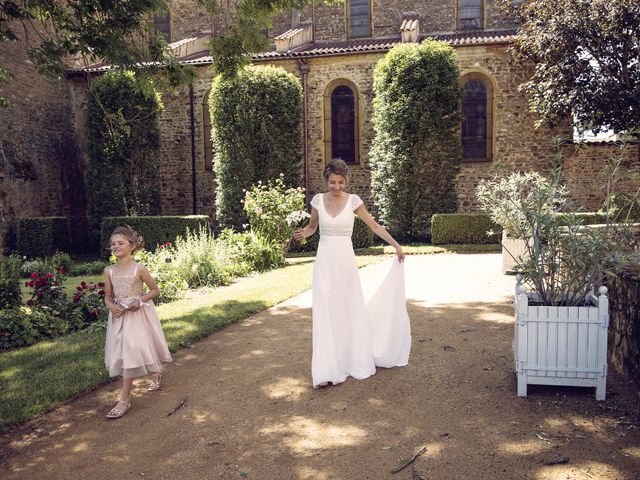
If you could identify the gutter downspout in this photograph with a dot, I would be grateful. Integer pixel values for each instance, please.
(193, 150)
(304, 68)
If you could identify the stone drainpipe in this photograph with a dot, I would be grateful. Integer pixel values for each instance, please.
(304, 68)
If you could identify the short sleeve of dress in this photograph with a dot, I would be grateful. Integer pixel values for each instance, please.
(356, 201)
(315, 201)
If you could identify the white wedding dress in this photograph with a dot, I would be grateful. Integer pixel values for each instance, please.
(349, 337)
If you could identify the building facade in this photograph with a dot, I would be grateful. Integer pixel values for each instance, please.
(333, 50)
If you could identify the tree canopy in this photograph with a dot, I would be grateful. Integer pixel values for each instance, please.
(586, 57)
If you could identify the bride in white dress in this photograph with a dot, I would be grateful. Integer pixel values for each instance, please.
(349, 337)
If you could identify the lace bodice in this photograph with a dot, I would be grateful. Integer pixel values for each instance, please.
(126, 285)
(342, 224)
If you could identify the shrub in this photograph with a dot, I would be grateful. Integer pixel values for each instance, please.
(258, 252)
(256, 132)
(10, 292)
(416, 151)
(123, 139)
(274, 211)
(164, 272)
(155, 230)
(622, 206)
(16, 328)
(449, 228)
(43, 236)
(89, 299)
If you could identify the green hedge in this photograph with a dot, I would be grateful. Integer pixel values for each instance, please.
(447, 228)
(10, 292)
(43, 236)
(362, 238)
(155, 230)
(416, 151)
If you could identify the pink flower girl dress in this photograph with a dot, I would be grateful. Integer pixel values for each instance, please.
(135, 343)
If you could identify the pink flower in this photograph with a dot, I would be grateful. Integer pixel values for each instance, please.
(258, 210)
(49, 275)
(34, 275)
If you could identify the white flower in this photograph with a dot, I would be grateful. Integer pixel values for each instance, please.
(296, 217)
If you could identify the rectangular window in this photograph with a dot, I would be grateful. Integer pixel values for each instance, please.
(470, 14)
(359, 18)
(162, 25)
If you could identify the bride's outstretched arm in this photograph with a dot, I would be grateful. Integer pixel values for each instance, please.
(379, 230)
(310, 229)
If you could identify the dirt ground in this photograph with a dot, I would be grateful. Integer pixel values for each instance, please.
(250, 411)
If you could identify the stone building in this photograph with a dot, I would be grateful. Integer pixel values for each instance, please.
(333, 51)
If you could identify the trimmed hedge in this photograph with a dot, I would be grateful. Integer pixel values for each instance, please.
(10, 292)
(155, 230)
(362, 238)
(256, 124)
(43, 236)
(447, 228)
(416, 150)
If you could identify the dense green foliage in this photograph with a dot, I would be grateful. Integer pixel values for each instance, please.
(469, 228)
(256, 131)
(43, 236)
(119, 33)
(156, 230)
(585, 59)
(10, 293)
(123, 138)
(416, 151)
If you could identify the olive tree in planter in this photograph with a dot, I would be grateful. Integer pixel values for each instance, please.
(560, 336)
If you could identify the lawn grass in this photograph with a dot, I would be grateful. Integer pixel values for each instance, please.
(38, 378)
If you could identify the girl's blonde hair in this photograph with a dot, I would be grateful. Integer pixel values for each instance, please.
(130, 234)
(336, 166)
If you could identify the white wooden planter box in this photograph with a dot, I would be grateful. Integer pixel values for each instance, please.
(511, 248)
(561, 345)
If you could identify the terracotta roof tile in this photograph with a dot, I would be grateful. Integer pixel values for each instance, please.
(345, 47)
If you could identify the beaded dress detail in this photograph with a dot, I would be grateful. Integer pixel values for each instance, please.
(135, 344)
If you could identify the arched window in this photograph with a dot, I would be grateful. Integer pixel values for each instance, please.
(359, 18)
(341, 122)
(470, 14)
(206, 134)
(477, 118)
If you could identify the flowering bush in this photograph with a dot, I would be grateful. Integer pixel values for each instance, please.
(274, 210)
(89, 298)
(163, 270)
(47, 289)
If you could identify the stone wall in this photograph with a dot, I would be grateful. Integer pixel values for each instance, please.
(435, 17)
(40, 169)
(624, 324)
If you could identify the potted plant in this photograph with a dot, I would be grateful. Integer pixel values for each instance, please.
(560, 335)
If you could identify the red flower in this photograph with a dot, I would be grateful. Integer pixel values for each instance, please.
(31, 283)
(26, 284)
(39, 293)
(49, 275)
(83, 285)
(101, 285)
(29, 302)
(60, 270)
(79, 288)
(34, 275)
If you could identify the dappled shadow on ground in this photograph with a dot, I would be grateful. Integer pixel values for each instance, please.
(250, 412)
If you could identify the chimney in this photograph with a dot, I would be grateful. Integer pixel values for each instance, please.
(295, 37)
(410, 28)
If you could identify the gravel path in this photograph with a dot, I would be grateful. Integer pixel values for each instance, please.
(250, 411)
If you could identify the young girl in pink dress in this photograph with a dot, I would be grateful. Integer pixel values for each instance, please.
(135, 343)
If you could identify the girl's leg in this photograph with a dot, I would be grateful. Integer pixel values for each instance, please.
(127, 383)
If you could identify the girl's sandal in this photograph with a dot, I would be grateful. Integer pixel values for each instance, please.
(117, 412)
(156, 384)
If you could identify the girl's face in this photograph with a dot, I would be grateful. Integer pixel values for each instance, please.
(336, 184)
(120, 246)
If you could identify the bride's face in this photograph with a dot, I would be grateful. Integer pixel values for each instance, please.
(336, 184)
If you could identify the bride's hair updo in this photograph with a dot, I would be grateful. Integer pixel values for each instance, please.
(336, 166)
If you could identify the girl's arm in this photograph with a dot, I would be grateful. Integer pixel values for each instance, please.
(379, 230)
(311, 227)
(113, 307)
(149, 281)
